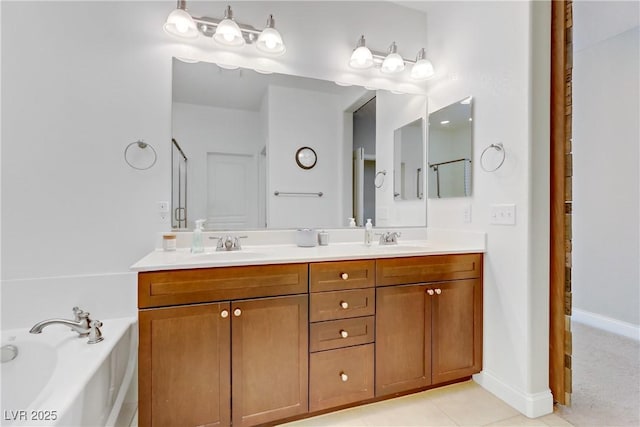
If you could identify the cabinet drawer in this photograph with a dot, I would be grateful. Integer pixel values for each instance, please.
(339, 377)
(334, 276)
(163, 288)
(342, 304)
(397, 271)
(341, 333)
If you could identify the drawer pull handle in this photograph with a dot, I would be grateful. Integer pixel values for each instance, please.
(237, 312)
(344, 334)
(344, 377)
(438, 291)
(344, 304)
(344, 276)
(430, 291)
(224, 314)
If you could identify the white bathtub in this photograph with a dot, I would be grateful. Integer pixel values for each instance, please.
(58, 379)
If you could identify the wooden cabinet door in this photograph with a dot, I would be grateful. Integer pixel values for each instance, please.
(269, 359)
(456, 329)
(184, 366)
(403, 339)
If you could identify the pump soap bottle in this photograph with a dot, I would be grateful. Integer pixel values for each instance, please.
(368, 232)
(197, 246)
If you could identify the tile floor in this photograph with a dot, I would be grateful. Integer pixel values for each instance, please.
(464, 404)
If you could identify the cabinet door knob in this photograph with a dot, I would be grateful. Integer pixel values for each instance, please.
(344, 304)
(438, 291)
(430, 291)
(224, 314)
(344, 334)
(344, 276)
(237, 312)
(344, 377)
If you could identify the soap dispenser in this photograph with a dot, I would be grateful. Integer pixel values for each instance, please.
(197, 246)
(368, 232)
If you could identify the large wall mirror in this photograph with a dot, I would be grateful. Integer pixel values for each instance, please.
(236, 134)
(450, 145)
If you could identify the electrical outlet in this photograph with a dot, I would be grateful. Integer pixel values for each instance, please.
(163, 207)
(163, 210)
(466, 214)
(503, 214)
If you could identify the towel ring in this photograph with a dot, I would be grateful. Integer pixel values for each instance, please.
(499, 148)
(142, 146)
(375, 180)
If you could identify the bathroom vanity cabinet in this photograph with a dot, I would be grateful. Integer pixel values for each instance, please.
(258, 344)
(429, 332)
(244, 358)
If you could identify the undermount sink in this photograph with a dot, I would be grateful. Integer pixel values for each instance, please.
(222, 255)
(399, 247)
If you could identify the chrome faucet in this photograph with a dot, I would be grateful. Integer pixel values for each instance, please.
(228, 243)
(81, 324)
(389, 237)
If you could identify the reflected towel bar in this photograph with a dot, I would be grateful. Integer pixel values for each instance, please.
(293, 193)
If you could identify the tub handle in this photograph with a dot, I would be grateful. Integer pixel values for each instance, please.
(95, 334)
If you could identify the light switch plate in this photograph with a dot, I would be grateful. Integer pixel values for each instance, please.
(504, 214)
(466, 214)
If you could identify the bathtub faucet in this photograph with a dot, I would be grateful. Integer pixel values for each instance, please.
(82, 324)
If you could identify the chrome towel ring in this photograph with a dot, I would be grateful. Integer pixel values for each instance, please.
(376, 180)
(500, 149)
(140, 159)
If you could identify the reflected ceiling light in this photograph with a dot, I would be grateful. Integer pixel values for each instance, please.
(423, 68)
(226, 31)
(393, 63)
(270, 40)
(361, 58)
(180, 24)
(261, 71)
(445, 122)
(344, 84)
(467, 100)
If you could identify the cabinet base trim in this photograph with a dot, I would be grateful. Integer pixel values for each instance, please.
(532, 405)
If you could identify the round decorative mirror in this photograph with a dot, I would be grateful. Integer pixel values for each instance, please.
(306, 157)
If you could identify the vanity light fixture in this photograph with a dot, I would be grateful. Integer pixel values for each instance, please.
(226, 32)
(392, 62)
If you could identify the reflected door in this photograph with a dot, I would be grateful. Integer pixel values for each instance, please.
(232, 196)
(358, 185)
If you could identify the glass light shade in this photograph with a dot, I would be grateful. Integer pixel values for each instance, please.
(392, 64)
(180, 23)
(361, 58)
(228, 33)
(422, 70)
(270, 41)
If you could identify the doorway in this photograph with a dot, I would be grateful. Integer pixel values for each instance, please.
(364, 163)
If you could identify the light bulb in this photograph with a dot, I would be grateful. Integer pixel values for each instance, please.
(423, 68)
(393, 63)
(179, 23)
(228, 32)
(361, 58)
(270, 40)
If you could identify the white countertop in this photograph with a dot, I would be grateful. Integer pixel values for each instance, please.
(418, 242)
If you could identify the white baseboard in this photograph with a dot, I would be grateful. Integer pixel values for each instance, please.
(531, 405)
(605, 323)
